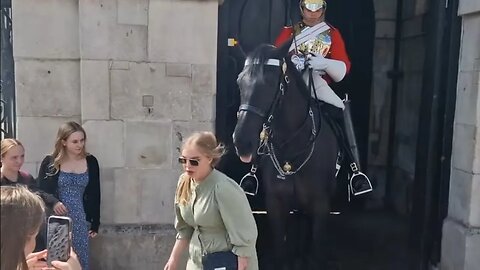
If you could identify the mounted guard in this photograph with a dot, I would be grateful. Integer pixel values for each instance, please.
(318, 52)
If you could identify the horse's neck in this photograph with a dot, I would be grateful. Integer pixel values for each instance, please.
(294, 108)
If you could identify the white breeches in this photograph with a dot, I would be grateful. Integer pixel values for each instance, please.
(323, 90)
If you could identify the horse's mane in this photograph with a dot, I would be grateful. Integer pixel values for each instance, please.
(254, 71)
(297, 76)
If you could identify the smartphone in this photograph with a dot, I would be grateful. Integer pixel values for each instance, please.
(59, 242)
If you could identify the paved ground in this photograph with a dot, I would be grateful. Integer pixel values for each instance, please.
(373, 240)
(369, 240)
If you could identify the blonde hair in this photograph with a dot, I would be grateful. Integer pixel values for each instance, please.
(63, 133)
(22, 214)
(8, 144)
(207, 144)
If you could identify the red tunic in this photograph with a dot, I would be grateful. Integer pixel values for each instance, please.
(337, 49)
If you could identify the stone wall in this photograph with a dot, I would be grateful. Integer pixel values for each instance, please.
(461, 230)
(97, 62)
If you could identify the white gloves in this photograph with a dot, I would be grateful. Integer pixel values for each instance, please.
(317, 62)
(334, 68)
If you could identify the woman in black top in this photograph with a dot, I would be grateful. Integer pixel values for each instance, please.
(72, 176)
(13, 157)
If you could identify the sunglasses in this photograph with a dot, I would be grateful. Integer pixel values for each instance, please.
(193, 162)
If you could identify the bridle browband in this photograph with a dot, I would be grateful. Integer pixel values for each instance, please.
(256, 110)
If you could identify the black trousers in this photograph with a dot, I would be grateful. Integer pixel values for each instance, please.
(335, 118)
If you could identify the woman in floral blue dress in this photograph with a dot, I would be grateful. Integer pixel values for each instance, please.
(72, 175)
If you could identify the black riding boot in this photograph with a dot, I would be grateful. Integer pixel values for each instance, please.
(341, 123)
(359, 182)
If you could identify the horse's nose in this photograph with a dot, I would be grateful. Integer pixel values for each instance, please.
(240, 142)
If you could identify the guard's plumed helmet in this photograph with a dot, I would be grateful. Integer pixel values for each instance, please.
(313, 5)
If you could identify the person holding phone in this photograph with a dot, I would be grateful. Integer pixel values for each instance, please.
(212, 213)
(72, 175)
(22, 213)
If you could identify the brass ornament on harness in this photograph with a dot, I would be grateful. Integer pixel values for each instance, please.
(287, 167)
(263, 135)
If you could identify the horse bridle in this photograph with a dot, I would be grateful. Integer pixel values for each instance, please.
(281, 92)
(266, 147)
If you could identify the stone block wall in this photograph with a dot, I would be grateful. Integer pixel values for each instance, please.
(96, 62)
(461, 230)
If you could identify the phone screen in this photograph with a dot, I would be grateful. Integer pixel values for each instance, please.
(58, 239)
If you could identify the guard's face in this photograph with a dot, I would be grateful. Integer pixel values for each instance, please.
(312, 16)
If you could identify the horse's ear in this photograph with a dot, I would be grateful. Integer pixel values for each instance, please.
(282, 51)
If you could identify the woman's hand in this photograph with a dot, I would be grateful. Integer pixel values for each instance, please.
(92, 233)
(242, 263)
(171, 265)
(34, 260)
(60, 209)
(71, 264)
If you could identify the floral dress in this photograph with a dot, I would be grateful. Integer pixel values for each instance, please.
(71, 187)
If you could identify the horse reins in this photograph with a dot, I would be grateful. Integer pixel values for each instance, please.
(266, 129)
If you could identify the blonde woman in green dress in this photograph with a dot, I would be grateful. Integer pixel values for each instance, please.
(210, 202)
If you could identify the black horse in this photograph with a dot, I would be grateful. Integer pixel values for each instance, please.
(282, 130)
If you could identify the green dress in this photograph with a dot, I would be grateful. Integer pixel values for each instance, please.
(219, 209)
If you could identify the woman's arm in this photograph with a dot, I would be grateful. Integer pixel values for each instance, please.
(184, 234)
(32, 184)
(44, 184)
(177, 251)
(93, 195)
(237, 217)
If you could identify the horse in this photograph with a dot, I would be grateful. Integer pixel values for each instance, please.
(281, 130)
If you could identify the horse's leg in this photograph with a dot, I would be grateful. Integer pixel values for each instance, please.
(303, 234)
(319, 249)
(278, 217)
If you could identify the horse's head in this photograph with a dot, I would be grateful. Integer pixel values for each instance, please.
(259, 84)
